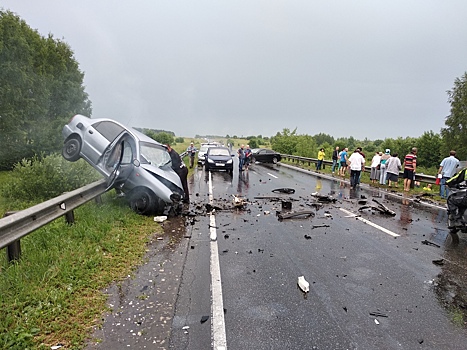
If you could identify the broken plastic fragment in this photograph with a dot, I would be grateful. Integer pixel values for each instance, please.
(376, 321)
(303, 284)
(161, 218)
(185, 327)
(204, 319)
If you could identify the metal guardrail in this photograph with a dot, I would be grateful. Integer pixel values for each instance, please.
(19, 224)
(418, 177)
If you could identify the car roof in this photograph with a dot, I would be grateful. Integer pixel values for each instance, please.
(137, 134)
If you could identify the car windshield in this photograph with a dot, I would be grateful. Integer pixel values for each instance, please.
(219, 152)
(154, 154)
(203, 149)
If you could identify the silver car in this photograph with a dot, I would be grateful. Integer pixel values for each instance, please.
(134, 164)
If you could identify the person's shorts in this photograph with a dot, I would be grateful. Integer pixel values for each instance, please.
(344, 164)
(392, 177)
(408, 174)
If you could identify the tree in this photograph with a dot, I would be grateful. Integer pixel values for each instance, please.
(429, 150)
(455, 133)
(285, 142)
(41, 88)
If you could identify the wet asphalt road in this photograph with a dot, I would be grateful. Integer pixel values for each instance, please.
(368, 289)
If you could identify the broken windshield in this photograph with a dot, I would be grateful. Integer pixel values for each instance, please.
(154, 154)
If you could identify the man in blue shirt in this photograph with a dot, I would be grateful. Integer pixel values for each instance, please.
(447, 169)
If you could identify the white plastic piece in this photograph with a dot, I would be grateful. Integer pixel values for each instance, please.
(376, 321)
(160, 218)
(303, 284)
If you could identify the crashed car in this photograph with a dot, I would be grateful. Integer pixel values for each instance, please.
(264, 155)
(137, 166)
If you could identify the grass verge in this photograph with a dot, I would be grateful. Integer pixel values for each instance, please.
(53, 295)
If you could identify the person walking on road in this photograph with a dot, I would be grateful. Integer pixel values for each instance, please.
(191, 150)
(241, 157)
(447, 169)
(335, 159)
(410, 166)
(247, 157)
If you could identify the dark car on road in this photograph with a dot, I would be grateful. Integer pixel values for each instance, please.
(219, 158)
(138, 167)
(264, 155)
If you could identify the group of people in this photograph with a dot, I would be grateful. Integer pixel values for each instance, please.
(244, 157)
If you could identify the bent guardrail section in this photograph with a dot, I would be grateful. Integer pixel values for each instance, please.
(17, 225)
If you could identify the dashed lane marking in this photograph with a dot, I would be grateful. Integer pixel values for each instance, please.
(274, 176)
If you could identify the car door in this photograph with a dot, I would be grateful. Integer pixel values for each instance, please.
(117, 161)
(97, 139)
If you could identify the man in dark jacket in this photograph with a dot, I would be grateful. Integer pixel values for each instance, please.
(180, 168)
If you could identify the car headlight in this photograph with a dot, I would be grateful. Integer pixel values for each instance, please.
(229, 161)
(210, 160)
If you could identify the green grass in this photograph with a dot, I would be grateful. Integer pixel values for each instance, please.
(54, 293)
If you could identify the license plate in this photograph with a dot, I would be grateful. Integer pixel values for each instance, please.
(220, 164)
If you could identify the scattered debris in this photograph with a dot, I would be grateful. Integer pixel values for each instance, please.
(304, 213)
(381, 208)
(318, 226)
(378, 314)
(286, 205)
(439, 262)
(284, 190)
(430, 243)
(324, 198)
(204, 319)
(267, 212)
(376, 321)
(238, 201)
(307, 237)
(303, 284)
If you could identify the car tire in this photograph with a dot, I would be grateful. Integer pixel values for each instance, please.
(253, 160)
(274, 160)
(71, 149)
(143, 201)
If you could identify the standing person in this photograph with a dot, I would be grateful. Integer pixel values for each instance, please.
(357, 165)
(241, 157)
(410, 166)
(375, 165)
(335, 158)
(393, 166)
(191, 150)
(359, 150)
(247, 157)
(343, 161)
(382, 168)
(321, 155)
(447, 169)
(180, 168)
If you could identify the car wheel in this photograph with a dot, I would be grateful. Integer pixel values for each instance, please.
(274, 160)
(71, 149)
(253, 160)
(143, 201)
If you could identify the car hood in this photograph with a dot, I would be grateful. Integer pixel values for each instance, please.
(166, 172)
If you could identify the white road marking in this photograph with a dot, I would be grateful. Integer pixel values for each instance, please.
(274, 176)
(350, 214)
(219, 339)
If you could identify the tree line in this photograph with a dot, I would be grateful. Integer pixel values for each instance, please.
(41, 88)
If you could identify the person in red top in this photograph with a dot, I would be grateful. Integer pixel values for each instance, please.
(410, 166)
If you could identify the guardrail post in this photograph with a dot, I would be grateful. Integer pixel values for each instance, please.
(13, 250)
(70, 217)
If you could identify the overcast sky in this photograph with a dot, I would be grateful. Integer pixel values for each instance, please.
(369, 69)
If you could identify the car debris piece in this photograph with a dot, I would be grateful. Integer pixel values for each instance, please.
(275, 198)
(204, 319)
(238, 201)
(430, 243)
(324, 198)
(380, 208)
(376, 321)
(286, 205)
(161, 218)
(378, 314)
(307, 237)
(284, 190)
(439, 262)
(318, 226)
(304, 213)
(303, 284)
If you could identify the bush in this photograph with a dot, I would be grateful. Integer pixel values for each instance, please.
(37, 180)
